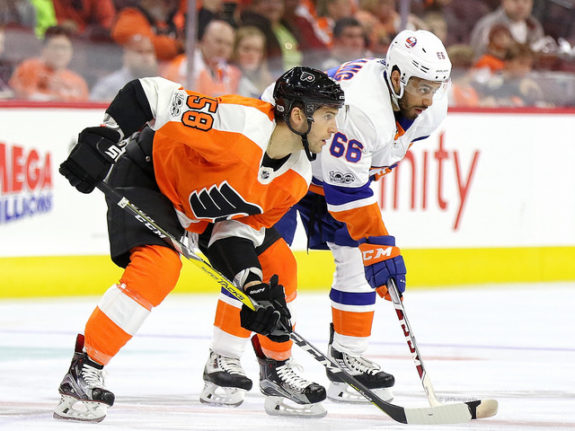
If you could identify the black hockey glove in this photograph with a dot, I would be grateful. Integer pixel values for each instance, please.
(272, 318)
(91, 159)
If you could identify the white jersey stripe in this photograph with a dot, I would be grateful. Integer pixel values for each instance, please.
(352, 205)
(123, 310)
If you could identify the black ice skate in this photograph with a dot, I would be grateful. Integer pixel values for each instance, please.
(83, 395)
(225, 381)
(365, 371)
(283, 387)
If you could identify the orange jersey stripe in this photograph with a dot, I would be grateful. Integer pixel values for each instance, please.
(352, 324)
(228, 320)
(103, 338)
(363, 221)
(279, 259)
(277, 351)
(318, 190)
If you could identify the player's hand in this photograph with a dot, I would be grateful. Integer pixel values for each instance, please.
(272, 318)
(382, 260)
(91, 159)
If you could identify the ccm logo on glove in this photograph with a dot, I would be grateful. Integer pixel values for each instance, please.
(382, 260)
(378, 253)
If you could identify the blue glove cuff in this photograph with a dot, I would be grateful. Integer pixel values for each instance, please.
(381, 240)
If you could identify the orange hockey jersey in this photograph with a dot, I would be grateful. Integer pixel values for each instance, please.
(208, 156)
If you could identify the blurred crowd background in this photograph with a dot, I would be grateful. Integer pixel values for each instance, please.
(507, 53)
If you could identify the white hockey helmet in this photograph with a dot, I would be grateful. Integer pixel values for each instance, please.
(417, 53)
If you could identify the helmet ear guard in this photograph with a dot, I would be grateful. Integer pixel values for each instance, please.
(417, 54)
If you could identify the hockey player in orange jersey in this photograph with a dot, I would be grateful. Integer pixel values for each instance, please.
(220, 170)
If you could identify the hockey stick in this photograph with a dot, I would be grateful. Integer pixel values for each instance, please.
(444, 414)
(478, 408)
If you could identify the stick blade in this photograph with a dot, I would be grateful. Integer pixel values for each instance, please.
(439, 415)
(457, 413)
(486, 409)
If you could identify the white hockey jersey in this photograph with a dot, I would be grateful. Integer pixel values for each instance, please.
(369, 143)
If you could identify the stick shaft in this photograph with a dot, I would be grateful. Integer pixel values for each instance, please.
(442, 414)
(412, 343)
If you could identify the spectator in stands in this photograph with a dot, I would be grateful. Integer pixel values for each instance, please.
(460, 16)
(514, 85)
(557, 19)
(155, 19)
(516, 14)
(213, 75)
(5, 69)
(45, 16)
(381, 17)
(436, 23)
(249, 57)
(139, 61)
(500, 40)
(214, 9)
(92, 18)
(349, 43)
(378, 42)
(48, 77)
(331, 11)
(313, 48)
(282, 44)
(462, 91)
(19, 13)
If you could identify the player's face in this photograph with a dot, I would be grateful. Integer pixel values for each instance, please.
(417, 97)
(322, 128)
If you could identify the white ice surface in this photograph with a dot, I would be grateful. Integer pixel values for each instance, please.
(513, 343)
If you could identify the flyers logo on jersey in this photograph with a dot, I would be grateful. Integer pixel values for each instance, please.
(306, 76)
(221, 203)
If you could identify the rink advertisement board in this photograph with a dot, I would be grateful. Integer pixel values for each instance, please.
(488, 197)
(40, 213)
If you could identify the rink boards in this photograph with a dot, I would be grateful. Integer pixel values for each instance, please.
(487, 198)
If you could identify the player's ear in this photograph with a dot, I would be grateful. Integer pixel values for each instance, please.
(396, 80)
(297, 116)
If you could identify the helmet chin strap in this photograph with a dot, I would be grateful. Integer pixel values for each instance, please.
(310, 156)
(394, 96)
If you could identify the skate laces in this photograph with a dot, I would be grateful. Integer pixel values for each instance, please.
(93, 376)
(288, 374)
(230, 365)
(361, 364)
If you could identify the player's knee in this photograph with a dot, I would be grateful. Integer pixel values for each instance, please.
(153, 272)
(279, 259)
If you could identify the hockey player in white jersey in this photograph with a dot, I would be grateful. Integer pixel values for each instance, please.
(390, 104)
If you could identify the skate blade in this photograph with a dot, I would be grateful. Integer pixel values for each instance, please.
(280, 406)
(222, 396)
(73, 409)
(343, 393)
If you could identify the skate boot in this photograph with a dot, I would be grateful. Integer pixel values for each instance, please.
(83, 395)
(365, 371)
(287, 393)
(225, 381)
